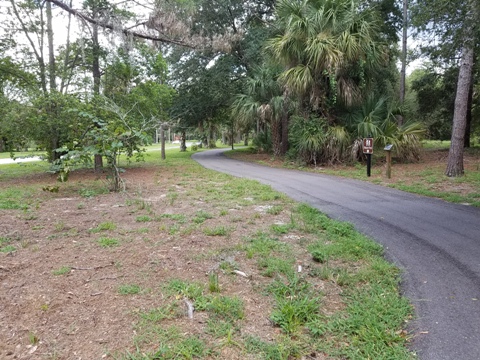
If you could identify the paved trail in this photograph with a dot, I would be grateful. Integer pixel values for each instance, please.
(437, 244)
(11, 161)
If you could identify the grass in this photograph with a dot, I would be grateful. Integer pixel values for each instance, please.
(143, 218)
(180, 218)
(16, 198)
(201, 216)
(213, 285)
(104, 226)
(62, 270)
(367, 324)
(8, 249)
(107, 242)
(421, 189)
(217, 231)
(129, 289)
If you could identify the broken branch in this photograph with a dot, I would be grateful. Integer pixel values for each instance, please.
(112, 27)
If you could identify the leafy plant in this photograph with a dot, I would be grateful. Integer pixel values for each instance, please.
(108, 138)
(319, 255)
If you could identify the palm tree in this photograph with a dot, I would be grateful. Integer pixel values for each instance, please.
(377, 118)
(262, 103)
(318, 44)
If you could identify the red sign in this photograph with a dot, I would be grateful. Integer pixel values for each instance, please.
(368, 146)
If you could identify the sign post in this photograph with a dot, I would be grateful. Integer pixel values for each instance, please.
(388, 150)
(368, 150)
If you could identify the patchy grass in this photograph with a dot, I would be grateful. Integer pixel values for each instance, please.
(129, 289)
(107, 242)
(283, 282)
(62, 270)
(104, 226)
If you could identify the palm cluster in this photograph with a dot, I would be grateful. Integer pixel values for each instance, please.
(324, 95)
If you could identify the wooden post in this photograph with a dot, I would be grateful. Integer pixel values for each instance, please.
(389, 164)
(388, 151)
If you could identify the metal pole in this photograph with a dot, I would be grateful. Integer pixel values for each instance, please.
(369, 164)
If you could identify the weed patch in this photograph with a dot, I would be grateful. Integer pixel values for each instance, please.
(106, 242)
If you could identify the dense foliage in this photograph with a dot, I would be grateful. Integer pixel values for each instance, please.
(305, 78)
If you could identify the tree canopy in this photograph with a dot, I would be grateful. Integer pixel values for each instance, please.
(277, 70)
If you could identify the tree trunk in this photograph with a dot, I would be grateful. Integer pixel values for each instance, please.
(211, 137)
(63, 82)
(455, 155)
(285, 121)
(276, 137)
(95, 59)
(468, 126)
(404, 58)
(162, 140)
(38, 52)
(51, 51)
(183, 138)
(96, 77)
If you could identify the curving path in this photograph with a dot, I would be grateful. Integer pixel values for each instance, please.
(436, 243)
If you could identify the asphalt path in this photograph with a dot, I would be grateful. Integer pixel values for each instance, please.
(435, 243)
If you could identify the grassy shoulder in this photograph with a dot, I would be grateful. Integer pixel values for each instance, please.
(265, 277)
(424, 178)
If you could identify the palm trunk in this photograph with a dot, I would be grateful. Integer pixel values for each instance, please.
(276, 137)
(285, 121)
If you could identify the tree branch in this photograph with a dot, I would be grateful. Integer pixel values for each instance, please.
(112, 27)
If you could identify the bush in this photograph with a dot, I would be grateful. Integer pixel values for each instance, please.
(262, 142)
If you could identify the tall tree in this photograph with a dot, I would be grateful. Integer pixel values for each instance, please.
(30, 17)
(455, 154)
(262, 102)
(454, 25)
(327, 48)
(403, 72)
